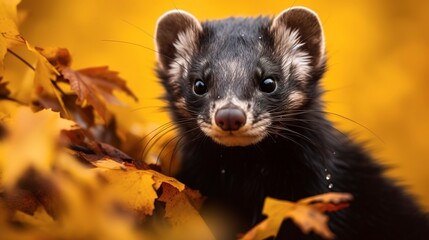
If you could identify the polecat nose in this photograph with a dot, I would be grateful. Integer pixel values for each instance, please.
(230, 119)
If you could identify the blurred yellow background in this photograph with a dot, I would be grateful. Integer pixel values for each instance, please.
(378, 62)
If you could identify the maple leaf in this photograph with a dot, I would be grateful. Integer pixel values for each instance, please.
(96, 86)
(98, 154)
(31, 142)
(135, 188)
(40, 218)
(184, 218)
(57, 57)
(9, 31)
(44, 73)
(307, 214)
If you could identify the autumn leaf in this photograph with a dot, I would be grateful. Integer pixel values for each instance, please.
(135, 188)
(328, 202)
(57, 57)
(4, 92)
(40, 218)
(307, 214)
(47, 191)
(8, 28)
(31, 142)
(185, 220)
(95, 86)
(44, 73)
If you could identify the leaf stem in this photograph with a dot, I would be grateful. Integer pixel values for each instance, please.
(22, 59)
(54, 83)
(12, 100)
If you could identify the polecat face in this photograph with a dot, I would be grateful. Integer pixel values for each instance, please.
(237, 78)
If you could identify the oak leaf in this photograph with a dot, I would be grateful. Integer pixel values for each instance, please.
(307, 214)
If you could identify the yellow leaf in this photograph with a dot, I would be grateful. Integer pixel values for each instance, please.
(185, 220)
(277, 211)
(8, 29)
(307, 214)
(45, 72)
(160, 178)
(135, 188)
(40, 219)
(109, 164)
(95, 86)
(31, 142)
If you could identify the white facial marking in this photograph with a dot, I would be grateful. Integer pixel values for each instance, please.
(185, 48)
(288, 46)
(295, 99)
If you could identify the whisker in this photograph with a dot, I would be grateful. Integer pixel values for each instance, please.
(139, 28)
(150, 49)
(162, 131)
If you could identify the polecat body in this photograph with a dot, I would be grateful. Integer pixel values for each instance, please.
(245, 95)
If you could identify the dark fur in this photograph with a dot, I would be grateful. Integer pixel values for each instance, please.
(239, 178)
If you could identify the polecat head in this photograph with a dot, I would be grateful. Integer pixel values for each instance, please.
(236, 78)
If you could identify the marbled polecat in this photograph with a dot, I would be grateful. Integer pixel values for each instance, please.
(245, 95)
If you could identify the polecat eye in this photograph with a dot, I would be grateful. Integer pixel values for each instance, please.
(267, 85)
(200, 87)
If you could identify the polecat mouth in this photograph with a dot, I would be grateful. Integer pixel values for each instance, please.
(237, 140)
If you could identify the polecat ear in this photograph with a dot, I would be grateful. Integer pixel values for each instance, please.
(309, 28)
(177, 33)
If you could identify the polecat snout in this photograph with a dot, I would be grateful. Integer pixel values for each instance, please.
(245, 96)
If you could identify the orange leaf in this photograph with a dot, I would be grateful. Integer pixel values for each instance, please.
(332, 197)
(135, 188)
(96, 86)
(31, 141)
(307, 214)
(181, 214)
(9, 32)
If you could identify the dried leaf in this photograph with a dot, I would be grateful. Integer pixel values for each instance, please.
(4, 92)
(83, 116)
(332, 197)
(93, 152)
(307, 214)
(9, 31)
(31, 142)
(40, 219)
(109, 164)
(107, 80)
(57, 57)
(135, 188)
(95, 86)
(181, 214)
(22, 200)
